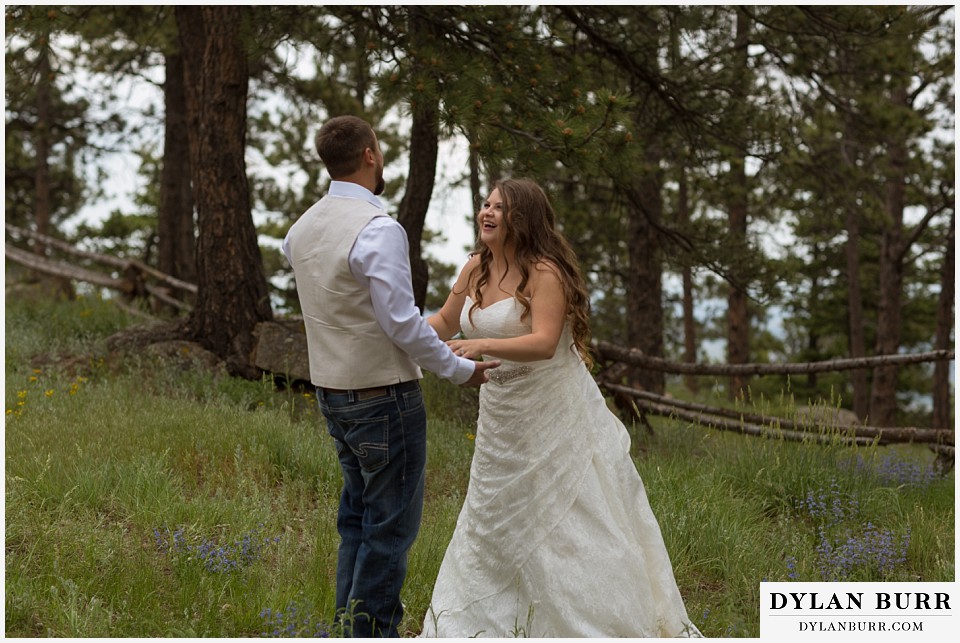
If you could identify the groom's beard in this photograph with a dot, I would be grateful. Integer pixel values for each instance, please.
(381, 186)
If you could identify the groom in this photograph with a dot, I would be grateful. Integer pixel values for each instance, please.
(366, 342)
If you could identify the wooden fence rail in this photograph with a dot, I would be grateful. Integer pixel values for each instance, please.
(635, 357)
(940, 441)
(661, 405)
(134, 280)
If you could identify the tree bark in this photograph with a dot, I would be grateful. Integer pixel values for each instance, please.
(855, 320)
(476, 196)
(643, 283)
(941, 371)
(738, 314)
(232, 295)
(175, 227)
(856, 333)
(883, 400)
(689, 322)
(412, 212)
(42, 208)
(424, 147)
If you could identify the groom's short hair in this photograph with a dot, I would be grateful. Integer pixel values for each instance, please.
(341, 142)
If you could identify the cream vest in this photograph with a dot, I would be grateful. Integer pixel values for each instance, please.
(347, 348)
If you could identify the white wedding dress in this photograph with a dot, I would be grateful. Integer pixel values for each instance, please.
(556, 537)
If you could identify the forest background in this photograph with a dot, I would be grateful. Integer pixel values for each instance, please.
(775, 179)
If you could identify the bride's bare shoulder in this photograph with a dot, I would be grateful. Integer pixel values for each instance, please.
(467, 273)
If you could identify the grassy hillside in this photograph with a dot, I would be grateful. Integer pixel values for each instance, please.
(146, 496)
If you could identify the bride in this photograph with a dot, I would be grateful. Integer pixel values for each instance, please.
(556, 537)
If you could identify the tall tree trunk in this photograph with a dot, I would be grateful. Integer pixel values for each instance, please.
(941, 370)
(689, 322)
(644, 287)
(232, 295)
(883, 401)
(813, 334)
(175, 228)
(424, 147)
(475, 188)
(738, 314)
(42, 208)
(857, 335)
(680, 161)
(412, 213)
(42, 187)
(849, 143)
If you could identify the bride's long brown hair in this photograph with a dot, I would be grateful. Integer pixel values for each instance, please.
(529, 225)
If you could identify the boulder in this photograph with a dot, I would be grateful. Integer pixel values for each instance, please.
(826, 416)
(281, 349)
(186, 355)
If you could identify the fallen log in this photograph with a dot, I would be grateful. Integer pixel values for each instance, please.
(65, 270)
(885, 435)
(635, 357)
(125, 265)
(823, 437)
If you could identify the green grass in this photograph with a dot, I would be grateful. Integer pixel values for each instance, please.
(108, 456)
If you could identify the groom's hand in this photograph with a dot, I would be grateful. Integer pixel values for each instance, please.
(479, 373)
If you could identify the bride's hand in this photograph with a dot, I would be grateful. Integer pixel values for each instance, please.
(469, 348)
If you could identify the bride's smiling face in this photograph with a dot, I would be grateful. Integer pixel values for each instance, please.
(490, 220)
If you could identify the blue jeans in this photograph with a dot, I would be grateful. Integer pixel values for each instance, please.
(382, 446)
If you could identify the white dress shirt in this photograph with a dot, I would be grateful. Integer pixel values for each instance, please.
(380, 261)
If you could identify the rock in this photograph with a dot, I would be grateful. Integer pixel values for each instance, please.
(827, 417)
(282, 349)
(186, 355)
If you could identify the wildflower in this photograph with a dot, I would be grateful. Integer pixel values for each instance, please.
(294, 621)
(829, 507)
(892, 470)
(792, 568)
(470, 436)
(49, 392)
(21, 394)
(874, 550)
(215, 558)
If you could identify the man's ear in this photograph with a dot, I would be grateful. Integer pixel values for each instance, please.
(369, 157)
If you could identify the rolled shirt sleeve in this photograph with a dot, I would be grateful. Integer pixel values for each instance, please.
(380, 260)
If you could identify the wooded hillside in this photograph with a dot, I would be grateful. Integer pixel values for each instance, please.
(775, 181)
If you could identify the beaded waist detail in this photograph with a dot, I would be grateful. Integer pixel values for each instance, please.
(501, 376)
